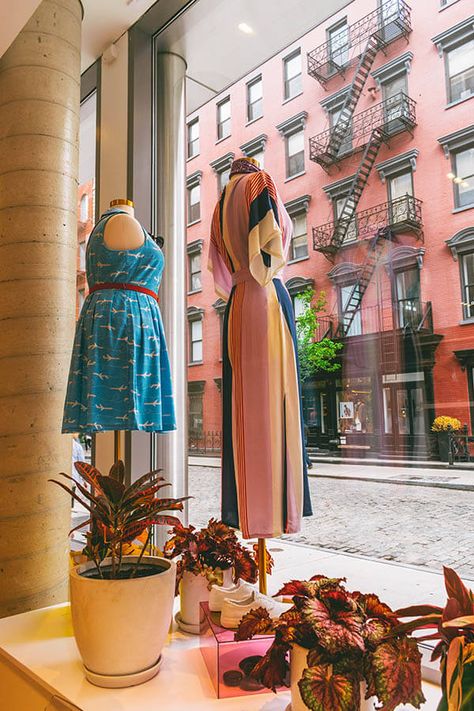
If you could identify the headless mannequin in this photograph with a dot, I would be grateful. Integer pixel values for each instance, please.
(123, 231)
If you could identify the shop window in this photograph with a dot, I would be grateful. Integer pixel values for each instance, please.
(338, 39)
(194, 250)
(193, 138)
(354, 406)
(292, 75)
(255, 99)
(299, 241)
(196, 407)
(195, 317)
(223, 119)
(463, 182)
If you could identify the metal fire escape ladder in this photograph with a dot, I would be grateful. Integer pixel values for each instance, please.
(343, 123)
(358, 290)
(355, 191)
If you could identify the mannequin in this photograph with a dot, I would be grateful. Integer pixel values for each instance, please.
(123, 231)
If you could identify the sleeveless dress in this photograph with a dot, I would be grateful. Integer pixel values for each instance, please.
(120, 377)
(265, 488)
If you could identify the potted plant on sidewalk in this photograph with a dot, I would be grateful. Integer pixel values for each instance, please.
(210, 556)
(121, 605)
(444, 426)
(340, 656)
(454, 630)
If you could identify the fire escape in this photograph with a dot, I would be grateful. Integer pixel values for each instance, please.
(363, 132)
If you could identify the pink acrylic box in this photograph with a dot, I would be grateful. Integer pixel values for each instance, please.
(223, 656)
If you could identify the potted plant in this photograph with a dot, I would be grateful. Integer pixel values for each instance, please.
(210, 556)
(443, 426)
(340, 656)
(454, 630)
(121, 605)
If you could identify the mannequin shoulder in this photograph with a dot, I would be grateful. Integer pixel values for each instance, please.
(123, 232)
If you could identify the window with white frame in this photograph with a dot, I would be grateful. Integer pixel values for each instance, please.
(195, 317)
(462, 248)
(460, 71)
(223, 119)
(255, 99)
(338, 206)
(194, 250)
(194, 203)
(84, 208)
(82, 256)
(338, 39)
(299, 241)
(294, 154)
(463, 182)
(193, 138)
(297, 287)
(292, 75)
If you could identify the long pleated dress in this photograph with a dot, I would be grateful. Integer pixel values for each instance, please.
(264, 478)
(119, 377)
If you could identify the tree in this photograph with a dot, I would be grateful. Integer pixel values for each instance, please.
(314, 356)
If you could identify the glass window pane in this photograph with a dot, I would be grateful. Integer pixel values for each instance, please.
(298, 305)
(293, 66)
(295, 143)
(224, 110)
(460, 58)
(255, 91)
(464, 168)
(401, 184)
(339, 44)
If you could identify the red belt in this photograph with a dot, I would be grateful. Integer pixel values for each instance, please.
(124, 287)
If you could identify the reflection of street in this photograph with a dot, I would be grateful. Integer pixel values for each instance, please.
(415, 525)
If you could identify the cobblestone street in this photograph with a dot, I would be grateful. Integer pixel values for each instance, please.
(422, 526)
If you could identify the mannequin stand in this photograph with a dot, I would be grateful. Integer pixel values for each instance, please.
(262, 566)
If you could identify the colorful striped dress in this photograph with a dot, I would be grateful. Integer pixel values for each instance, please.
(264, 479)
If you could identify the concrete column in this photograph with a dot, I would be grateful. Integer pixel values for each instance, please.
(170, 180)
(39, 123)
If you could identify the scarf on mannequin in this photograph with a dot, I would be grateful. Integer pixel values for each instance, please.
(244, 165)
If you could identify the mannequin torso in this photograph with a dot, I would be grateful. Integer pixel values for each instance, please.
(123, 231)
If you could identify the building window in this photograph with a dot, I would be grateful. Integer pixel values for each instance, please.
(221, 168)
(193, 138)
(299, 241)
(255, 99)
(81, 297)
(82, 256)
(223, 119)
(338, 40)
(195, 317)
(194, 250)
(292, 131)
(292, 75)
(193, 184)
(338, 206)
(295, 154)
(460, 71)
(296, 287)
(399, 189)
(220, 307)
(255, 148)
(84, 208)
(462, 248)
(346, 143)
(407, 289)
(463, 181)
(352, 322)
(195, 407)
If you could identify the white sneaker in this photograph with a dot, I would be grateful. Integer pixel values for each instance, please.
(234, 610)
(240, 591)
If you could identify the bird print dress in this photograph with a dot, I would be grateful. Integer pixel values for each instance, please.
(120, 376)
(264, 478)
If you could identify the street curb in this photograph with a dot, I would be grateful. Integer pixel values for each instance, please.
(402, 463)
(400, 482)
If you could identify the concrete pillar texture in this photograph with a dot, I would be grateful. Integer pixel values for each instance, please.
(39, 126)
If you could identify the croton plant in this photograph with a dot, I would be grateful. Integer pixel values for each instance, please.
(211, 550)
(347, 638)
(119, 514)
(454, 630)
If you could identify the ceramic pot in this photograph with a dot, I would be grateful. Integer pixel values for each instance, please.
(298, 657)
(120, 626)
(194, 590)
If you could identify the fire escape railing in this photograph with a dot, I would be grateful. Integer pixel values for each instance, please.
(394, 115)
(402, 214)
(391, 20)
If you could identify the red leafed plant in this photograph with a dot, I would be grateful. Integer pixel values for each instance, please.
(454, 630)
(210, 551)
(118, 513)
(347, 638)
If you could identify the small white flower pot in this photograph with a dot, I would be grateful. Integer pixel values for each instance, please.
(121, 626)
(298, 656)
(194, 589)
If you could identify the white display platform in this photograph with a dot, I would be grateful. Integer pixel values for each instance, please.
(40, 668)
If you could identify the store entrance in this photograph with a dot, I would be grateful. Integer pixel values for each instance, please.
(404, 418)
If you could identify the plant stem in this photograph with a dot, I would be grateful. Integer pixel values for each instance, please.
(141, 553)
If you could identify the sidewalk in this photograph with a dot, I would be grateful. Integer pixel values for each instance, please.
(405, 473)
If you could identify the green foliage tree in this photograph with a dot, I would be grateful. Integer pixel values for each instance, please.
(315, 356)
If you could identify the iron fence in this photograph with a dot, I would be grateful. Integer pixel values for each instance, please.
(205, 442)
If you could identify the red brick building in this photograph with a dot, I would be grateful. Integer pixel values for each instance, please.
(365, 123)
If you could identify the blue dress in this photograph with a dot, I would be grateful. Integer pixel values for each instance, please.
(120, 377)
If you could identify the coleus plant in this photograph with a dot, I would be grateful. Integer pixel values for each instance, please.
(119, 514)
(345, 634)
(454, 630)
(211, 550)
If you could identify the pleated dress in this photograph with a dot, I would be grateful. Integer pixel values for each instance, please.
(119, 377)
(264, 478)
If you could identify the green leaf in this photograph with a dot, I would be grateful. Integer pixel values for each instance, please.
(322, 689)
(394, 674)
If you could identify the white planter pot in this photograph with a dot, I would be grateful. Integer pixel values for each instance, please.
(194, 590)
(120, 626)
(298, 664)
